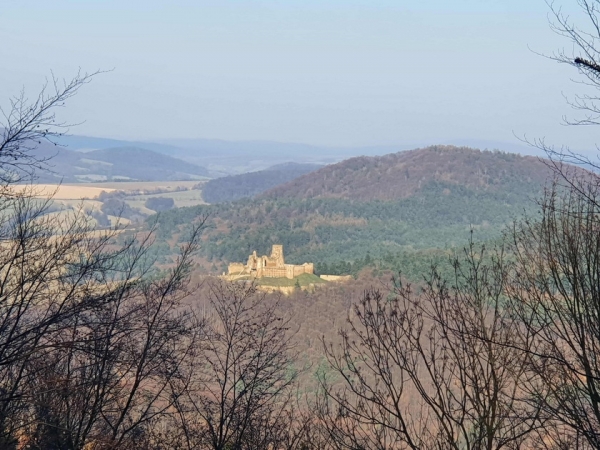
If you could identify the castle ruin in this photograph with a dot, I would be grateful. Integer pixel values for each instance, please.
(273, 266)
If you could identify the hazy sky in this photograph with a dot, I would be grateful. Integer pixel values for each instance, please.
(335, 72)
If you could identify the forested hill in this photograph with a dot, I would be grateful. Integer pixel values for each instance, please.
(403, 174)
(123, 163)
(397, 212)
(145, 164)
(246, 185)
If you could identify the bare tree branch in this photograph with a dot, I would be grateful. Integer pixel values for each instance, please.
(27, 123)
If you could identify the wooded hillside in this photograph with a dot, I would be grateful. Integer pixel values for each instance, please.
(247, 185)
(366, 212)
(404, 174)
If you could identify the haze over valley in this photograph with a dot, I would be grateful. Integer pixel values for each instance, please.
(363, 225)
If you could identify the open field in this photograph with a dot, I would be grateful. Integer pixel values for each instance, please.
(65, 216)
(127, 199)
(88, 204)
(65, 192)
(181, 198)
(137, 185)
(76, 191)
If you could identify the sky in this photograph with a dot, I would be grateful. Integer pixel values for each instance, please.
(324, 72)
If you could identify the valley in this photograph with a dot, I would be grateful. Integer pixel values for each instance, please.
(363, 225)
(400, 212)
(366, 232)
(269, 225)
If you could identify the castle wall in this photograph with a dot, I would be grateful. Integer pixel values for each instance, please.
(309, 268)
(288, 271)
(335, 278)
(293, 271)
(274, 272)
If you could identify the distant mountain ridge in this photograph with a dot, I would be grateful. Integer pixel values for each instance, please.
(89, 143)
(224, 157)
(128, 163)
(248, 185)
(146, 164)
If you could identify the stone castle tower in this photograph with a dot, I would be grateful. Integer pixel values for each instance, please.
(273, 266)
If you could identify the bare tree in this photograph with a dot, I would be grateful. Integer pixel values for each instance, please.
(89, 344)
(37, 291)
(554, 291)
(119, 365)
(96, 345)
(585, 55)
(241, 396)
(582, 31)
(555, 294)
(433, 370)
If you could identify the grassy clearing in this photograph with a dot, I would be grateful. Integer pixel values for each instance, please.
(96, 162)
(139, 205)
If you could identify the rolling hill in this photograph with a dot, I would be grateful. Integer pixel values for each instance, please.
(404, 174)
(123, 163)
(247, 185)
(223, 157)
(142, 164)
(398, 212)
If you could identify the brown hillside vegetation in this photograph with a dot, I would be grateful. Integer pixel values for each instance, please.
(402, 174)
(315, 313)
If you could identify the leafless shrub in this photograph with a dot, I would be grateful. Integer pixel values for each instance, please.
(243, 391)
(435, 369)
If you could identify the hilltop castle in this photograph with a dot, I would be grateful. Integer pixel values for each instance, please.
(273, 266)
